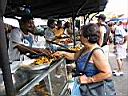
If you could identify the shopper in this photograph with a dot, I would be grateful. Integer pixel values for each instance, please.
(120, 42)
(103, 34)
(98, 68)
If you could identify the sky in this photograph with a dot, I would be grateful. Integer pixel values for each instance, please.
(117, 7)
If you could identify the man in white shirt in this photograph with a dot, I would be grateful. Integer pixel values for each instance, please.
(50, 35)
(120, 42)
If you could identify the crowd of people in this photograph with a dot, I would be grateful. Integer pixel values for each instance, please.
(93, 35)
(119, 35)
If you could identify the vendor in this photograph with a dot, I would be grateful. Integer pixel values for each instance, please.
(20, 40)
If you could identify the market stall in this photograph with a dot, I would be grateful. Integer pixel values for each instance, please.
(57, 9)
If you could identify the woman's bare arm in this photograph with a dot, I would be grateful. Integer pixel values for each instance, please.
(102, 64)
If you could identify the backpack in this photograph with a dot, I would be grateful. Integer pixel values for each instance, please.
(107, 36)
(119, 35)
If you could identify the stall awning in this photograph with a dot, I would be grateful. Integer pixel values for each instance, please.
(55, 8)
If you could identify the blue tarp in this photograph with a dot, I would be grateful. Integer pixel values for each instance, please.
(119, 19)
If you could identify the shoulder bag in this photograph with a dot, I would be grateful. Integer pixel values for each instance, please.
(103, 88)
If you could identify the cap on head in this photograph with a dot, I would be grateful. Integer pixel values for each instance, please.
(101, 16)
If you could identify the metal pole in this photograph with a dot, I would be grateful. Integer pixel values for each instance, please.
(74, 35)
(73, 27)
(7, 77)
(73, 23)
(50, 84)
(84, 20)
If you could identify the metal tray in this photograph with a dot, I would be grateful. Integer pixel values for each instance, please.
(29, 65)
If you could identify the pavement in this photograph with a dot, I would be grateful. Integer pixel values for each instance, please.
(120, 82)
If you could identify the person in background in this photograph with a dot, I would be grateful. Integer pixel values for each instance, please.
(120, 42)
(123, 25)
(120, 23)
(67, 29)
(103, 34)
(50, 35)
(49, 32)
(98, 68)
(59, 30)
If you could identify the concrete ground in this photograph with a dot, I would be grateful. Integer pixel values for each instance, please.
(121, 82)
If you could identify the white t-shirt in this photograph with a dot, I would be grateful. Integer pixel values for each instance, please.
(49, 34)
(120, 33)
(14, 36)
(17, 37)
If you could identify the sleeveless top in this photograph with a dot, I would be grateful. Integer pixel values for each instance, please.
(91, 69)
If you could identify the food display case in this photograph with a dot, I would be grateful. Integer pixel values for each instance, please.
(35, 76)
(25, 79)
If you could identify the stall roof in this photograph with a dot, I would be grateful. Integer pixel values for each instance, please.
(55, 8)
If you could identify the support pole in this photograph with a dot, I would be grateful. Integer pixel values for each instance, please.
(84, 20)
(7, 77)
(4, 62)
(73, 27)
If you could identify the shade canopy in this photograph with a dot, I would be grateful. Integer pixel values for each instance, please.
(54, 8)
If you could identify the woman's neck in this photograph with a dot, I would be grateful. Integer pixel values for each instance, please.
(91, 46)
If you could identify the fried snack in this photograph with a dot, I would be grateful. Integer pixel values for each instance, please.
(75, 49)
(42, 60)
(67, 41)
